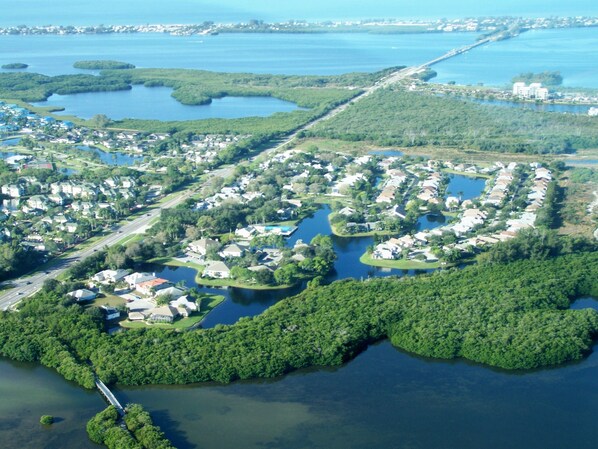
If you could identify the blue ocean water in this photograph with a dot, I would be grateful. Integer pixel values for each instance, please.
(573, 52)
(317, 54)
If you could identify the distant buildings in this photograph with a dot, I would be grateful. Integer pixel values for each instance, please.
(533, 91)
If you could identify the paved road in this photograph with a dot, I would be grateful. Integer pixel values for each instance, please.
(27, 285)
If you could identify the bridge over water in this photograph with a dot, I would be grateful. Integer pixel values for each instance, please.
(110, 396)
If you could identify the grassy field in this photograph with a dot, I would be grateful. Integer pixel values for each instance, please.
(399, 264)
(108, 300)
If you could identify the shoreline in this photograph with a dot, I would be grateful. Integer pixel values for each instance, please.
(482, 24)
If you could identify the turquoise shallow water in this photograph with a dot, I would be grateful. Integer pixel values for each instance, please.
(573, 52)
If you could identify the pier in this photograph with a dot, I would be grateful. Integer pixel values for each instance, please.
(110, 396)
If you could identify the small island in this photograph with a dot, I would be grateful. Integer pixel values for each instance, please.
(14, 66)
(546, 78)
(46, 420)
(102, 65)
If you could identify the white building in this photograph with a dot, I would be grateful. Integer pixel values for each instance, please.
(533, 91)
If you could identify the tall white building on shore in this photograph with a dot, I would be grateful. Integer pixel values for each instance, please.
(533, 91)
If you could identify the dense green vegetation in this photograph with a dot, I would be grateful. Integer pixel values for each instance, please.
(46, 420)
(535, 244)
(548, 216)
(511, 315)
(104, 428)
(583, 175)
(32, 87)
(14, 65)
(140, 433)
(102, 65)
(396, 117)
(14, 260)
(139, 422)
(546, 78)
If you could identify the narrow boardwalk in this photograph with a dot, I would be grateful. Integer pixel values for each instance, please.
(110, 396)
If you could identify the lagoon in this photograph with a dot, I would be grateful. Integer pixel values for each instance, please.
(115, 158)
(585, 303)
(243, 302)
(465, 187)
(581, 162)
(156, 103)
(10, 142)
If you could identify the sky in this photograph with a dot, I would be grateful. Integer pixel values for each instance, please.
(85, 12)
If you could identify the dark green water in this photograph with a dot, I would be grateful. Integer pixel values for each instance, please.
(383, 399)
(28, 391)
(386, 399)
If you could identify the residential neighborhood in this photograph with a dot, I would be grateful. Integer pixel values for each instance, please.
(508, 205)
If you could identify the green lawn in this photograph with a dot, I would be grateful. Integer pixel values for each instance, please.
(215, 282)
(110, 300)
(399, 264)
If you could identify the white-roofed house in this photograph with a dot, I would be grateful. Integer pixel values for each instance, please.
(217, 270)
(82, 295)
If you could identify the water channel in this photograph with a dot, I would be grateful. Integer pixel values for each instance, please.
(243, 302)
(538, 107)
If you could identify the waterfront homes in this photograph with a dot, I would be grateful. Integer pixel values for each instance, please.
(342, 186)
(395, 179)
(232, 250)
(163, 314)
(151, 298)
(216, 270)
(429, 188)
(478, 223)
(134, 279)
(501, 185)
(203, 245)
